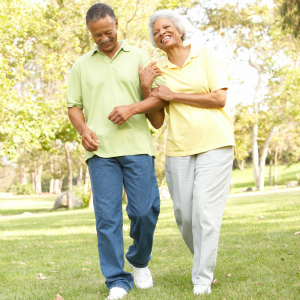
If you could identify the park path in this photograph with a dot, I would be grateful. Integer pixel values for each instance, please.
(257, 193)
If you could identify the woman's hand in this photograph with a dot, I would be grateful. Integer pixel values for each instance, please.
(162, 92)
(148, 74)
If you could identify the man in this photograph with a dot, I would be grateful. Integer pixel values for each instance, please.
(105, 84)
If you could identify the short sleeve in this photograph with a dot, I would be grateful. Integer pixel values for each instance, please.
(216, 75)
(146, 60)
(74, 93)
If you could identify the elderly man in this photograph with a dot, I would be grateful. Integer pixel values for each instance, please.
(104, 83)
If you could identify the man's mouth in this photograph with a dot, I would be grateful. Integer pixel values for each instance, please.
(105, 42)
(165, 38)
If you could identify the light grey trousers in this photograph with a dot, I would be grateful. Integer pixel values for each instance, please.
(199, 186)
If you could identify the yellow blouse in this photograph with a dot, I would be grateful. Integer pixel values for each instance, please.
(193, 130)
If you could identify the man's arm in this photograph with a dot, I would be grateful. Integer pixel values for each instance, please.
(121, 114)
(89, 138)
(151, 106)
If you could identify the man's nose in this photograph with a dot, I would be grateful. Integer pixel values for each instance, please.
(105, 38)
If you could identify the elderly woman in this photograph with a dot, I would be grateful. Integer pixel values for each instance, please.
(200, 142)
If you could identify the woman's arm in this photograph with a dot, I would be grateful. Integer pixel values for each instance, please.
(216, 99)
(147, 76)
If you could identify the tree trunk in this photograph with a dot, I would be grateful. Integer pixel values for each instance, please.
(264, 156)
(87, 179)
(70, 177)
(61, 181)
(254, 133)
(38, 179)
(32, 179)
(79, 177)
(91, 202)
(22, 174)
(270, 173)
(275, 166)
(51, 186)
(255, 155)
(57, 187)
(241, 164)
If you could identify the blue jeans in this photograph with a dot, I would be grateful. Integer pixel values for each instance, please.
(108, 175)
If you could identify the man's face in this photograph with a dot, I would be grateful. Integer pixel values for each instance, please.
(104, 32)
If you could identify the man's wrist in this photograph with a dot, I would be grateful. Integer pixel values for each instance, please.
(82, 129)
(145, 85)
(146, 89)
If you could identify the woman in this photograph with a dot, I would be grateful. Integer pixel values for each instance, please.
(200, 142)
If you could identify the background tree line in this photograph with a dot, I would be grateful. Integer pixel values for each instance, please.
(40, 41)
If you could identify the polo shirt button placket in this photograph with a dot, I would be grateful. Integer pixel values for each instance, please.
(181, 73)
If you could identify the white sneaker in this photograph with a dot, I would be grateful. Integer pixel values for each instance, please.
(200, 289)
(116, 293)
(142, 277)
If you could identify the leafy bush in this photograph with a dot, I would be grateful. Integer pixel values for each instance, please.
(82, 194)
(24, 189)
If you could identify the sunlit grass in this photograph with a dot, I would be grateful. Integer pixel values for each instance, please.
(20, 204)
(257, 247)
(244, 178)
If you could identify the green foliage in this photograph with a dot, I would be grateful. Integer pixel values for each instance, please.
(290, 14)
(242, 131)
(82, 194)
(24, 189)
(40, 41)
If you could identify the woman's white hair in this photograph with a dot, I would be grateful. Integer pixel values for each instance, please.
(176, 18)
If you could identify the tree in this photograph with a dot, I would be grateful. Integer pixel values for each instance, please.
(290, 16)
(48, 36)
(251, 30)
(242, 134)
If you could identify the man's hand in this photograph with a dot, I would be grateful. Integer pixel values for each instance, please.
(90, 141)
(121, 114)
(148, 74)
(162, 92)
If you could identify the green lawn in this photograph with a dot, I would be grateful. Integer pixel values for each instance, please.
(258, 248)
(20, 204)
(244, 178)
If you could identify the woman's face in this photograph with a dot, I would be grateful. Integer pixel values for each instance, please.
(166, 35)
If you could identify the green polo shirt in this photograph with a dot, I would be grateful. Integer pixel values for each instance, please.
(97, 84)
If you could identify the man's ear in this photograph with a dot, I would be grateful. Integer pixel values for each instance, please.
(117, 23)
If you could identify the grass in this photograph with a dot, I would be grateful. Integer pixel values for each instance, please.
(20, 204)
(257, 247)
(244, 178)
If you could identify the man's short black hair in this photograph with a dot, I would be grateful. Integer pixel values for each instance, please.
(99, 11)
